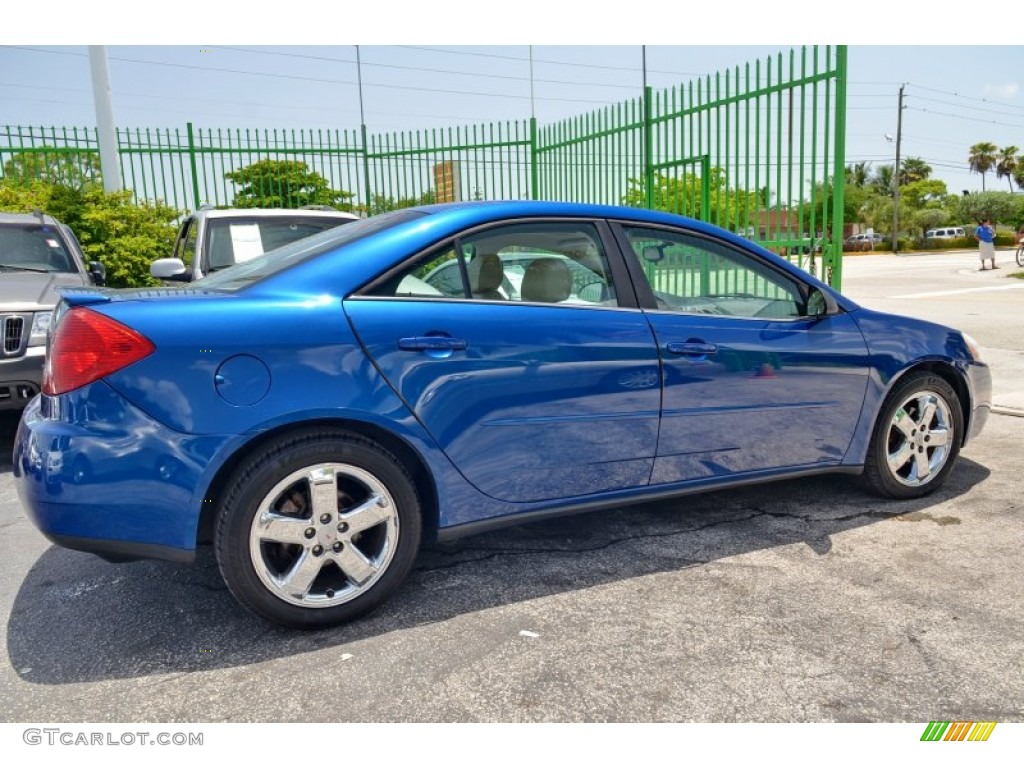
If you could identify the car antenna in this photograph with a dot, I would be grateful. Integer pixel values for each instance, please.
(39, 215)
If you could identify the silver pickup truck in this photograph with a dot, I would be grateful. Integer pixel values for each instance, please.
(215, 238)
(38, 254)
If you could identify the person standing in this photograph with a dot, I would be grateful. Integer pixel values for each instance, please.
(985, 234)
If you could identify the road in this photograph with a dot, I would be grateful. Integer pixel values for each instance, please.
(796, 601)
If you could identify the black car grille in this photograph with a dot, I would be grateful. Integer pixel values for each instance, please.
(14, 329)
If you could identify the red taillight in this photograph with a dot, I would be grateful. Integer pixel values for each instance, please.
(88, 346)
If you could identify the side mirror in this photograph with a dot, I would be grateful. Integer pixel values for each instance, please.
(170, 269)
(820, 304)
(98, 273)
(653, 254)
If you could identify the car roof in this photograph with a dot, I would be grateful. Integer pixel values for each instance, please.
(27, 218)
(312, 213)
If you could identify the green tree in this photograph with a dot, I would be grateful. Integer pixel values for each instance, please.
(930, 218)
(1002, 207)
(1018, 175)
(1006, 164)
(382, 204)
(914, 169)
(682, 194)
(918, 194)
(858, 174)
(284, 184)
(53, 165)
(881, 182)
(982, 159)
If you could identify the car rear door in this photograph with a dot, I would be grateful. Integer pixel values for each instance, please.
(542, 397)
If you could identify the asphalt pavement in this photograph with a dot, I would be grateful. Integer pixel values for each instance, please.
(805, 600)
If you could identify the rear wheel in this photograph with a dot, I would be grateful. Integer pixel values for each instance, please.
(1020, 255)
(318, 529)
(916, 438)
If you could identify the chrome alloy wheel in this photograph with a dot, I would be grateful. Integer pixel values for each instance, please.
(919, 439)
(323, 535)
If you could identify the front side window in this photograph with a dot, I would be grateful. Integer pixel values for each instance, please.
(697, 275)
(187, 242)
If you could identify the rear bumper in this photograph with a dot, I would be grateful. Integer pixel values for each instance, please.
(20, 378)
(123, 492)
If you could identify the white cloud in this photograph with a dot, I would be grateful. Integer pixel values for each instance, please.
(1006, 91)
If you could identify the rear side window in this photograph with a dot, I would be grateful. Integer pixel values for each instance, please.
(537, 262)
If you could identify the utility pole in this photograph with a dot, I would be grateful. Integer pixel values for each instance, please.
(363, 134)
(896, 175)
(110, 160)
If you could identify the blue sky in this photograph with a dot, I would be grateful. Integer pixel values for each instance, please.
(430, 72)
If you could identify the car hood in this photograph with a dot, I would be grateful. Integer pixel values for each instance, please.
(26, 291)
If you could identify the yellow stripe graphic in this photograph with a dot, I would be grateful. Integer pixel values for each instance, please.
(989, 727)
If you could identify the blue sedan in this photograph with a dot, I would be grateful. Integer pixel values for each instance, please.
(319, 411)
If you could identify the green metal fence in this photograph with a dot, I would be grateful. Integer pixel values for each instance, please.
(757, 149)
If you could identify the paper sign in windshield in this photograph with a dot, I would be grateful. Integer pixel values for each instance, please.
(246, 242)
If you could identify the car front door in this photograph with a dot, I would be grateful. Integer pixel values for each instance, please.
(751, 381)
(542, 396)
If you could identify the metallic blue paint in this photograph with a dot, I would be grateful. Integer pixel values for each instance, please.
(545, 402)
(544, 408)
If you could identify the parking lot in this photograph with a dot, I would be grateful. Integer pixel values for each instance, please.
(804, 600)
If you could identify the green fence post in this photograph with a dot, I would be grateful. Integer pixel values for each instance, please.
(366, 167)
(648, 150)
(534, 181)
(834, 273)
(192, 165)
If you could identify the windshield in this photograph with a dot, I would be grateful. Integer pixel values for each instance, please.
(33, 248)
(246, 273)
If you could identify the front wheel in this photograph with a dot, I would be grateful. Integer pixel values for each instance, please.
(317, 529)
(916, 438)
(1020, 255)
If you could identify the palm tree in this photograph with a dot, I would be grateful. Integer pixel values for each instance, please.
(914, 169)
(882, 180)
(982, 158)
(857, 175)
(1007, 163)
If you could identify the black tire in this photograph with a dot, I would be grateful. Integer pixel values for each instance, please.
(1020, 255)
(328, 490)
(906, 459)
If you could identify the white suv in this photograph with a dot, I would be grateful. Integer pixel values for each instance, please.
(946, 233)
(212, 239)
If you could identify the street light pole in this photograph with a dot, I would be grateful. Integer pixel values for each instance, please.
(896, 176)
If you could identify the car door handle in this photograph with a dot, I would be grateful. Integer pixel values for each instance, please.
(431, 343)
(693, 348)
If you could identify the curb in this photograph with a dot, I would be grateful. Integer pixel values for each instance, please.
(1005, 410)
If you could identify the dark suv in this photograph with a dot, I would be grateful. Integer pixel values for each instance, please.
(38, 254)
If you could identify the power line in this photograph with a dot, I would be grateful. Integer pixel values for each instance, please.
(316, 79)
(963, 117)
(954, 104)
(968, 98)
(520, 78)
